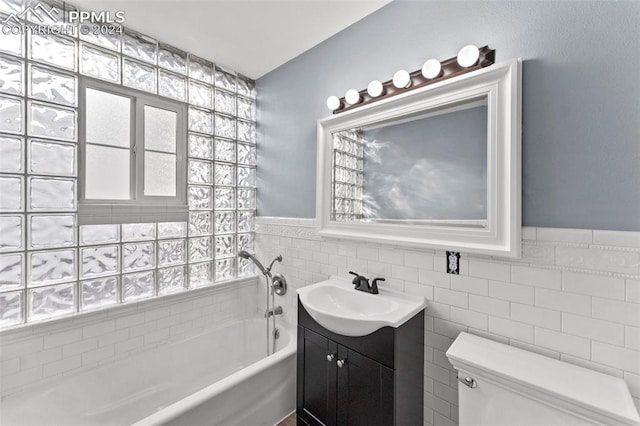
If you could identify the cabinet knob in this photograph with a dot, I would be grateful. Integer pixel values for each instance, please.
(341, 362)
(331, 357)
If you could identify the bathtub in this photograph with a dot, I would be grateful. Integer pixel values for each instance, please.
(219, 377)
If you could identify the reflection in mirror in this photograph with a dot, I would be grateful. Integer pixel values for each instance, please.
(426, 168)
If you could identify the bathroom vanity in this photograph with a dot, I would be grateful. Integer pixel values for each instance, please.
(373, 379)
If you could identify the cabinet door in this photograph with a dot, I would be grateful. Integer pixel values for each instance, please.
(365, 391)
(316, 378)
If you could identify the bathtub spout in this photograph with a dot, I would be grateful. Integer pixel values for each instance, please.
(272, 312)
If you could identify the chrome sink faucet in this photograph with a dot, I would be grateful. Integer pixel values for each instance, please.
(362, 283)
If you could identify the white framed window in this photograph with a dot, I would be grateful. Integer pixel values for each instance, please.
(132, 150)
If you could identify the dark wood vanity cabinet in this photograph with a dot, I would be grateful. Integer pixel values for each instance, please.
(380, 381)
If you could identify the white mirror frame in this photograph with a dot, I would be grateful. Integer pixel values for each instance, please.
(501, 84)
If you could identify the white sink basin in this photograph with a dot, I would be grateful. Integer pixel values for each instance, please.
(337, 306)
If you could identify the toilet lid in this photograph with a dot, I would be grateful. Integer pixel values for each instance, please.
(583, 388)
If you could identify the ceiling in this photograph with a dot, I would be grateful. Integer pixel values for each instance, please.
(251, 37)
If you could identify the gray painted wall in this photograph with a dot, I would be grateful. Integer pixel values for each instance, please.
(581, 100)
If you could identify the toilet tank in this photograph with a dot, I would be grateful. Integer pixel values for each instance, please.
(503, 385)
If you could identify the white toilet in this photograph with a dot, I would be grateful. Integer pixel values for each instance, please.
(504, 385)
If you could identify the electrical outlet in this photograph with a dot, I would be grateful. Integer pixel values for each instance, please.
(453, 262)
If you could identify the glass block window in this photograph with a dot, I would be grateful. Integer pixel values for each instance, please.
(50, 265)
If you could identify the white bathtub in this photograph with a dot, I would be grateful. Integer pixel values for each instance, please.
(221, 377)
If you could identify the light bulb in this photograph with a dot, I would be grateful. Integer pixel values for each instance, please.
(333, 103)
(352, 96)
(375, 89)
(431, 69)
(402, 79)
(468, 56)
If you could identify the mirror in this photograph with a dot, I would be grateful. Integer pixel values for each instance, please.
(436, 167)
(428, 168)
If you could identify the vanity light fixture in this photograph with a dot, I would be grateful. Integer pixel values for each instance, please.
(402, 79)
(352, 97)
(469, 58)
(431, 69)
(375, 89)
(333, 103)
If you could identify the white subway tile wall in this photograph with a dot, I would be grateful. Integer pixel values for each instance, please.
(37, 353)
(565, 307)
(49, 265)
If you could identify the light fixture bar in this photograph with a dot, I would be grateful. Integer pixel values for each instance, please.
(449, 68)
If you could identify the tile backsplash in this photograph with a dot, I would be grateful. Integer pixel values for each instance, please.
(574, 295)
